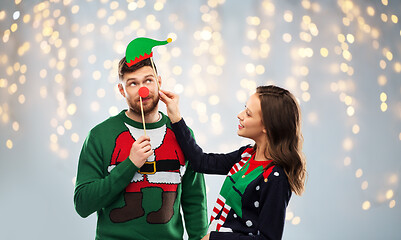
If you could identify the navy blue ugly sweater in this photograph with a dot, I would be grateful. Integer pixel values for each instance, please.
(252, 201)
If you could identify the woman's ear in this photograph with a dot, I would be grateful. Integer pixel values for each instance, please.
(121, 89)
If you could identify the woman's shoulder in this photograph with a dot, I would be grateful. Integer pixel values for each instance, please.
(275, 173)
(247, 150)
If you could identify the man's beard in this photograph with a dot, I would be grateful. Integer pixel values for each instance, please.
(149, 107)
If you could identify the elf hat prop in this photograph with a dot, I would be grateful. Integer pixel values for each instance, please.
(141, 48)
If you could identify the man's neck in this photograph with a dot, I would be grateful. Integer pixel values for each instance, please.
(151, 117)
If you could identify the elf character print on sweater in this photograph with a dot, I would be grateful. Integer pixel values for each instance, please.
(229, 205)
(221, 208)
(164, 170)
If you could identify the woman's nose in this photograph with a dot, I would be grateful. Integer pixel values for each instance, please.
(239, 116)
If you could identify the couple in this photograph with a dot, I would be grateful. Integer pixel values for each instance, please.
(137, 183)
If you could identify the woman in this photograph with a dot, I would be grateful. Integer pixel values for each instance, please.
(260, 178)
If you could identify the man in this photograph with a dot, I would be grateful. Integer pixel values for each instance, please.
(135, 182)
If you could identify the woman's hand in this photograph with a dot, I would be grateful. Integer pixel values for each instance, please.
(171, 101)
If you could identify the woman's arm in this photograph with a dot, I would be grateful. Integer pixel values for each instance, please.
(212, 163)
(201, 162)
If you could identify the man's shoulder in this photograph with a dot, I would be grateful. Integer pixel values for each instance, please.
(110, 122)
(165, 120)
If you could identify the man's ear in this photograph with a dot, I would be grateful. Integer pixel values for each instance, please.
(159, 79)
(121, 89)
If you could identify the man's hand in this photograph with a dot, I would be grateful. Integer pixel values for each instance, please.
(206, 237)
(171, 101)
(140, 151)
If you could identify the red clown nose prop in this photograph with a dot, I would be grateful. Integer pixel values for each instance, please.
(143, 92)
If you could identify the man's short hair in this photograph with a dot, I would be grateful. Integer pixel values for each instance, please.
(123, 68)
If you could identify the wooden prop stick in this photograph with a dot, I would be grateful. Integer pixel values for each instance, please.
(143, 117)
(154, 73)
(143, 93)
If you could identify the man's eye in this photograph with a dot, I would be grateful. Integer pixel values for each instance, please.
(148, 80)
(132, 84)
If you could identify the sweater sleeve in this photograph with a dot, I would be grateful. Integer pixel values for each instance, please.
(194, 204)
(212, 163)
(94, 188)
(274, 200)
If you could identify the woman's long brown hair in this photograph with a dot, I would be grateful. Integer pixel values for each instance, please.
(282, 120)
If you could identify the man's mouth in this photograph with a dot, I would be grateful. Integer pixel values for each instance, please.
(145, 99)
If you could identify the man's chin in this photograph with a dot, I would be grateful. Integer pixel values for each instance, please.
(146, 109)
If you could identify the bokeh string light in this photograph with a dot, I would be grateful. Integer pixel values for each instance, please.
(356, 17)
(69, 50)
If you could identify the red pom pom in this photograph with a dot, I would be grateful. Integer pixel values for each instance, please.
(143, 92)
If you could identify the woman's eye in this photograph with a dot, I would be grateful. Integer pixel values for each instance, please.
(246, 111)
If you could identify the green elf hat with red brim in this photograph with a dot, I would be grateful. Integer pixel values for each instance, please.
(141, 48)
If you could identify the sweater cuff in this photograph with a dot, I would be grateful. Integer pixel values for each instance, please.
(126, 169)
(181, 132)
(178, 124)
(213, 235)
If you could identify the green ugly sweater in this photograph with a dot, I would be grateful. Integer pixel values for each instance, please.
(143, 203)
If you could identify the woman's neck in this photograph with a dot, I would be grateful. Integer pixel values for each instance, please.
(261, 151)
